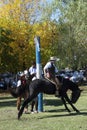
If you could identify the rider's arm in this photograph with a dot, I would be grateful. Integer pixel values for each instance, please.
(48, 65)
(18, 83)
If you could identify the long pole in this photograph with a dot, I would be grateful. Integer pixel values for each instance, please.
(39, 71)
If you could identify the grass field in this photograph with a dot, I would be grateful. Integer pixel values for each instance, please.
(54, 117)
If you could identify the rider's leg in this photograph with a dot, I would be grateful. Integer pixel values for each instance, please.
(58, 85)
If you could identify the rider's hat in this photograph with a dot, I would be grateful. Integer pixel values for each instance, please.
(53, 58)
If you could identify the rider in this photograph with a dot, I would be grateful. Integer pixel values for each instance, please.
(50, 70)
(32, 70)
(21, 80)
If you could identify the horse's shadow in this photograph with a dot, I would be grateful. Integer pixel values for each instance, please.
(53, 102)
(58, 102)
(56, 110)
(64, 115)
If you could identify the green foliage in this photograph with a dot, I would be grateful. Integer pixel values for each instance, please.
(71, 17)
(5, 55)
(4, 37)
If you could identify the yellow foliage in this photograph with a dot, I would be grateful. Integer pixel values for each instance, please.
(16, 17)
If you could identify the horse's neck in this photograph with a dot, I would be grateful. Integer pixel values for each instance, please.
(67, 84)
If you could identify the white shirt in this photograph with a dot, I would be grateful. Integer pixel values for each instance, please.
(32, 70)
(48, 65)
(18, 83)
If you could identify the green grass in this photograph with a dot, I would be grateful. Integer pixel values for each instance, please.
(54, 117)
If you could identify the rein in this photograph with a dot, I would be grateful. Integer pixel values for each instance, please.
(61, 81)
(50, 81)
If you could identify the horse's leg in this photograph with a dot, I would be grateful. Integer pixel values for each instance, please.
(18, 103)
(64, 102)
(36, 104)
(32, 105)
(30, 98)
(68, 100)
(26, 94)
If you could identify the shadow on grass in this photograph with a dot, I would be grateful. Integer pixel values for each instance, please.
(8, 103)
(53, 102)
(56, 110)
(5, 98)
(64, 115)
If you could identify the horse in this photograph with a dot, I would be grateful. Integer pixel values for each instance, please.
(23, 92)
(45, 86)
(19, 93)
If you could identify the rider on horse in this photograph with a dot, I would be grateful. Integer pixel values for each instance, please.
(49, 72)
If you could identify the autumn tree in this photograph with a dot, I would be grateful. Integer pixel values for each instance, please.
(18, 16)
(5, 49)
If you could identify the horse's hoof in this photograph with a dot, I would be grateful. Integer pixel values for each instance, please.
(78, 111)
(19, 115)
(69, 111)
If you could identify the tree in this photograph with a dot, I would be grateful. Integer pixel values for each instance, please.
(71, 17)
(5, 52)
(62, 33)
(76, 17)
(18, 16)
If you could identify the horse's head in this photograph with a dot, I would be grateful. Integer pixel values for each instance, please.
(75, 95)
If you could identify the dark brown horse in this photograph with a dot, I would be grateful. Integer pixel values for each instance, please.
(22, 92)
(19, 100)
(44, 86)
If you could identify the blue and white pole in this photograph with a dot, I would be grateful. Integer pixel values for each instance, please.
(39, 71)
